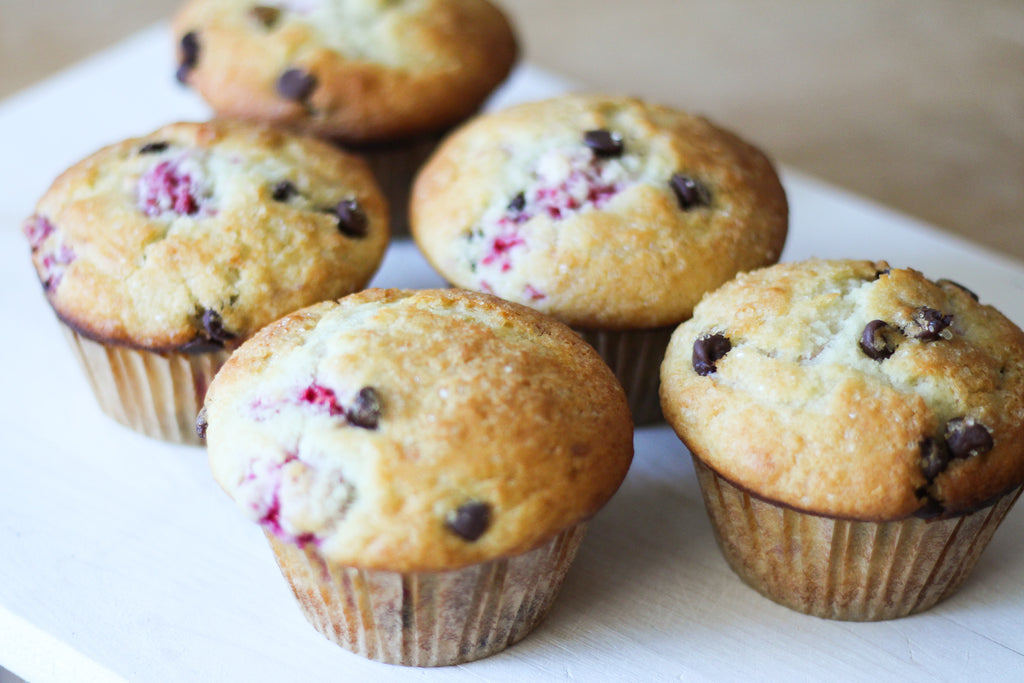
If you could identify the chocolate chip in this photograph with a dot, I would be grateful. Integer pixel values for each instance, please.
(518, 203)
(283, 191)
(944, 282)
(708, 350)
(470, 521)
(265, 15)
(966, 437)
(201, 423)
(200, 345)
(690, 192)
(365, 411)
(153, 147)
(212, 335)
(351, 218)
(934, 458)
(296, 84)
(213, 327)
(930, 510)
(189, 47)
(874, 341)
(927, 324)
(604, 143)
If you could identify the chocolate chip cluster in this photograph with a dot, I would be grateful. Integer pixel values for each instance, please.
(879, 339)
(962, 438)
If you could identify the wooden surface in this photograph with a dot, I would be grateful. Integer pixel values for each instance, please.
(917, 104)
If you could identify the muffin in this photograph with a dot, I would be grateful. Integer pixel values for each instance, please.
(857, 431)
(609, 213)
(384, 78)
(161, 254)
(423, 463)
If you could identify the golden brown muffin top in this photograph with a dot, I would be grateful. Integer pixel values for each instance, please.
(606, 212)
(417, 431)
(201, 233)
(362, 71)
(851, 389)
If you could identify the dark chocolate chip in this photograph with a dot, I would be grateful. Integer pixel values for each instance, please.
(213, 327)
(201, 423)
(874, 340)
(934, 458)
(283, 191)
(265, 15)
(930, 510)
(470, 521)
(943, 282)
(365, 410)
(708, 350)
(604, 143)
(690, 192)
(966, 437)
(928, 324)
(153, 147)
(518, 203)
(351, 218)
(296, 84)
(201, 345)
(189, 47)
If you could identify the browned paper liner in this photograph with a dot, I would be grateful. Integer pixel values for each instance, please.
(635, 357)
(158, 394)
(428, 618)
(842, 569)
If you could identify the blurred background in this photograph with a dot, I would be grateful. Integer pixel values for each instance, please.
(917, 104)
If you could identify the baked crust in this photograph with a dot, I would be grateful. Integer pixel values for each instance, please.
(383, 70)
(798, 414)
(228, 259)
(481, 403)
(625, 255)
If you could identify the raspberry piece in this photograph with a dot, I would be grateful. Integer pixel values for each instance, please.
(54, 264)
(319, 395)
(37, 229)
(499, 250)
(168, 188)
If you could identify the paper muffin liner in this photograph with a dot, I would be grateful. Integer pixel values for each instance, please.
(843, 569)
(157, 394)
(394, 165)
(428, 618)
(635, 357)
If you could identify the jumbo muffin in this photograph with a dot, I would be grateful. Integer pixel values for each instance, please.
(424, 464)
(612, 214)
(386, 78)
(857, 430)
(160, 254)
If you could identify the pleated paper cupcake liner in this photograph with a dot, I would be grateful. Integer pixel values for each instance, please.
(428, 618)
(394, 166)
(843, 569)
(635, 357)
(157, 394)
